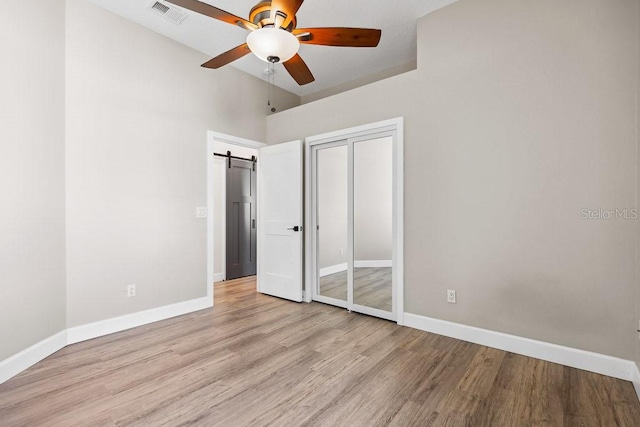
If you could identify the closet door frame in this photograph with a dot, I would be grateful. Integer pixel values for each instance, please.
(389, 128)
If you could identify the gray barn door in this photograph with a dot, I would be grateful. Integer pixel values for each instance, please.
(241, 219)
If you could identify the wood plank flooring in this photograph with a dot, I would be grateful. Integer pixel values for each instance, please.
(255, 360)
(372, 287)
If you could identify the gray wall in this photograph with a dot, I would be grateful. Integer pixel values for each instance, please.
(362, 81)
(138, 109)
(32, 228)
(637, 318)
(519, 115)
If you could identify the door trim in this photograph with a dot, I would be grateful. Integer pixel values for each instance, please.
(213, 137)
(367, 131)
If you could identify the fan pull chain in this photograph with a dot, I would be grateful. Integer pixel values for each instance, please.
(271, 79)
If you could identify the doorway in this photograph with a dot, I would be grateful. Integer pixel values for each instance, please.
(279, 214)
(241, 198)
(355, 206)
(231, 228)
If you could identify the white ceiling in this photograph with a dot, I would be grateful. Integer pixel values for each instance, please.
(331, 66)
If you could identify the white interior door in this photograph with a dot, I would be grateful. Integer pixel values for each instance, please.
(280, 221)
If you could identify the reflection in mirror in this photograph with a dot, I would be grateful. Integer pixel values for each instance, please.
(332, 221)
(373, 201)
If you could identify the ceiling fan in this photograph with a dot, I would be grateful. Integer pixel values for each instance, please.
(274, 37)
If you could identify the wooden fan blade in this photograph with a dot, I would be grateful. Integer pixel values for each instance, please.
(299, 70)
(227, 57)
(214, 12)
(347, 37)
(287, 7)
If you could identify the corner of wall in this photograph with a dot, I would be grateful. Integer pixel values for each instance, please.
(637, 312)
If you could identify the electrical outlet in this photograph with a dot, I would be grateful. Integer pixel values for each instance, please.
(131, 291)
(451, 296)
(341, 252)
(201, 212)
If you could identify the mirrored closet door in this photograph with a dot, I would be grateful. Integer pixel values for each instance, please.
(372, 224)
(352, 204)
(332, 223)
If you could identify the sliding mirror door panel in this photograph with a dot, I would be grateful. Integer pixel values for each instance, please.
(332, 223)
(373, 223)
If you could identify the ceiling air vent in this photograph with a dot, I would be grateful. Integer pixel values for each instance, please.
(169, 12)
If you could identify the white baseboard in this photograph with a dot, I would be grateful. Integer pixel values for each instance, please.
(129, 321)
(19, 362)
(383, 263)
(218, 277)
(333, 269)
(575, 358)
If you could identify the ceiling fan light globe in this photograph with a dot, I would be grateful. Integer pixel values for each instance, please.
(272, 43)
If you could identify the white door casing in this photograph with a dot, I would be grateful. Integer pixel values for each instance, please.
(280, 198)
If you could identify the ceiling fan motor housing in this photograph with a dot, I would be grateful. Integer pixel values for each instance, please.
(261, 16)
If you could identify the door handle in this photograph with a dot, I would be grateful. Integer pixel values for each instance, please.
(296, 228)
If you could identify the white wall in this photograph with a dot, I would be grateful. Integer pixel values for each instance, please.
(32, 228)
(138, 109)
(519, 115)
(220, 201)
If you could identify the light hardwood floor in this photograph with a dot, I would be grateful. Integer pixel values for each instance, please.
(256, 360)
(372, 287)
